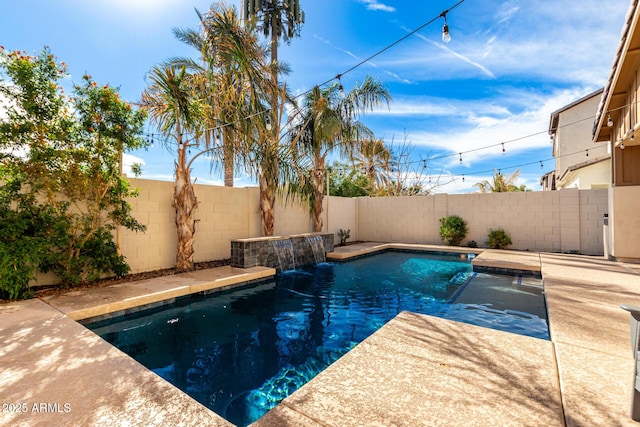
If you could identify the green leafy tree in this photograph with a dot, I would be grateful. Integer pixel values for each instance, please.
(60, 163)
(346, 182)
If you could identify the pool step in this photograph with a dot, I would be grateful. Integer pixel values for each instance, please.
(527, 282)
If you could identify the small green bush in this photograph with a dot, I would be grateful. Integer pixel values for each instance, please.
(498, 239)
(472, 244)
(453, 230)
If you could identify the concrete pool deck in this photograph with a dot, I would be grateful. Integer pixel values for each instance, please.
(416, 370)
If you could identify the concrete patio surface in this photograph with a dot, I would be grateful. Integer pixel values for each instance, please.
(416, 370)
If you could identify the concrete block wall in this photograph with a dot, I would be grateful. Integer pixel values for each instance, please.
(223, 214)
(553, 221)
(156, 247)
(292, 217)
(342, 214)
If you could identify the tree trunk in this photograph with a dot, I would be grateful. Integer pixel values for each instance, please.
(185, 204)
(228, 164)
(267, 204)
(318, 195)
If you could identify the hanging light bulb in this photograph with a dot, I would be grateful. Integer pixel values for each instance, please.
(503, 150)
(462, 178)
(587, 153)
(633, 136)
(541, 165)
(609, 121)
(267, 122)
(622, 145)
(460, 157)
(446, 37)
(340, 87)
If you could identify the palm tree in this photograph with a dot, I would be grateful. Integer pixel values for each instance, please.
(372, 158)
(232, 77)
(277, 19)
(171, 104)
(330, 121)
(500, 183)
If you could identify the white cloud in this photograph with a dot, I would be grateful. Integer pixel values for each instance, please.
(129, 160)
(457, 55)
(482, 124)
(506, 11)
(375, 5)
(394, 75)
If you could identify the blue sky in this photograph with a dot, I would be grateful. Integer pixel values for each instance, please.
(510, 63)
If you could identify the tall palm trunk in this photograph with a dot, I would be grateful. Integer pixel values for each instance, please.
(185, 204)
(267, 205)
(318, 194)
(228, 163)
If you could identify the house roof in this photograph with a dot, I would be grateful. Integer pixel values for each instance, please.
(614, 94)
(555, 116)
(584, 164)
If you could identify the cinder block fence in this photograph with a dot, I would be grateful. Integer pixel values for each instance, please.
(556, 221)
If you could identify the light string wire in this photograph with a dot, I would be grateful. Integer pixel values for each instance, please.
(152, 136)
(337, 77)
(516, 139)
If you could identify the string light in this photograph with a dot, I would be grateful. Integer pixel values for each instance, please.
(443, 14)
(446, 37)
(340, 87)
(541, 165)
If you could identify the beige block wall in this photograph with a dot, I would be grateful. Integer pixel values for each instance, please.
(291, 217)
(538, 221)
(555, 221)
(223, 214)
(342, 214)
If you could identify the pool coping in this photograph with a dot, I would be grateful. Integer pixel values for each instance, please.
(154, 292)
(589, 336)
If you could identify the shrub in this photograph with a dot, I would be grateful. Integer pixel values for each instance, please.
(498, 239)
(472, 244)
(343, 235)
(453, 230)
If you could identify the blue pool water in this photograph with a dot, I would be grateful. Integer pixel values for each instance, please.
(241, 352)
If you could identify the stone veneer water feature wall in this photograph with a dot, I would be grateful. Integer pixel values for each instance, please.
(259, 250)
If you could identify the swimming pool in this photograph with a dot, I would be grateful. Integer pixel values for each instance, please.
(242, 351)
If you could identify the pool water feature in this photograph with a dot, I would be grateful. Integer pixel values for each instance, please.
(317, 248)
(241, 352)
